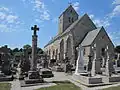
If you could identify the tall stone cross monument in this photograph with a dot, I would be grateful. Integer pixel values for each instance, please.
(34, 48)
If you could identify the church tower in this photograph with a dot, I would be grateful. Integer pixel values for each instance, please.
(68, 17)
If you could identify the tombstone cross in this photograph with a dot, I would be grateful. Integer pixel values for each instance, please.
(35, 28)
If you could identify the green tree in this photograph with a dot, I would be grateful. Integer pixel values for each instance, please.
(39, 51)
(117, 49)
(27, 46)
(15, 50)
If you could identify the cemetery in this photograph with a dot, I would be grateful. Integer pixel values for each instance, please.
(80, 57)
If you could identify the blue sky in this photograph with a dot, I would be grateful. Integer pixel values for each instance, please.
(17, 17)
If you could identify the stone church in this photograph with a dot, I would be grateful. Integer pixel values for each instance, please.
(75, 30)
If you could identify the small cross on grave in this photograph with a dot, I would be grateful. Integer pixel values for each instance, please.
(35, 28)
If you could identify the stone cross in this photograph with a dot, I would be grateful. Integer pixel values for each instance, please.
(34, 48)
(35, 28)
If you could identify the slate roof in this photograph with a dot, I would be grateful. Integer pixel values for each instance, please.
(67, 30)
(90, 37)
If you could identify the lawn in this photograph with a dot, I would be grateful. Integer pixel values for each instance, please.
(62, 86)
(113, 88)
(5, 86)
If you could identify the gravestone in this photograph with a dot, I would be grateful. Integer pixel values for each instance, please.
(93, 71)
(68, 67)
(108, 64)
(89, 64)
(85, 77)
(103, 62)
(80, 62)
(6, 65)
(25, 63)
(118, 60)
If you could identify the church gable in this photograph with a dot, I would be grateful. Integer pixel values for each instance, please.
(103, 38)
(81, 29)
(90, 37)
(98, 36)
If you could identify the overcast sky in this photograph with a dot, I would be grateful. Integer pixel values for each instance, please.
(17, 17)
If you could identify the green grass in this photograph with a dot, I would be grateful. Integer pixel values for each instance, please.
(62, 86)
(5, 86)
(113, 88)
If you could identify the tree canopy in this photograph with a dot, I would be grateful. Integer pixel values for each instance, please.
(117, 49)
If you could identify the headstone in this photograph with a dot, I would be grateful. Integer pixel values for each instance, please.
(6, 65)
(25, 64)
(93, 71)
(89, 64)
(108, 66)
(118, 60)
(103, 62)
(68, 67)
(80, 62)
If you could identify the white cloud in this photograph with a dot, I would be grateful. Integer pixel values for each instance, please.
(55, 20)
(116, 10)
(6, 28)
(40, 7)
(4, 9)
(76, 6)
(91, 16)
(116, 2)
(115, 36)
(2, 16)
(11, 18)
(8, 20)
(100, 22)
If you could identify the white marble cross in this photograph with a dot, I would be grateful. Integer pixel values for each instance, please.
(80, 61)
(93, 71)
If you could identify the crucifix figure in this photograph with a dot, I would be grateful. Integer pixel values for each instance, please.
(35, 28)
